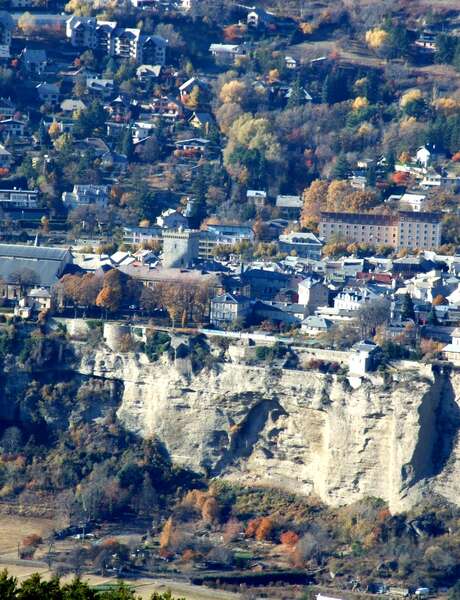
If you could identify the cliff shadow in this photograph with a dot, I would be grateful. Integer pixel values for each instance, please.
(248, 432)
(439, 418)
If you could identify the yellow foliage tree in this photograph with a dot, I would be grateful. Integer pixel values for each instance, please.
(376, 38)
(410, 96)
(54, 130)
(447, 105)
(360, 102)
(234, 91)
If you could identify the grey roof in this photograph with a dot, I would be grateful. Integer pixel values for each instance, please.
(45, 263)
(317, 322)
(32, 252)
(230, 299)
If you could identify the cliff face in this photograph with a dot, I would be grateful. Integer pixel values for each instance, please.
(393, 437)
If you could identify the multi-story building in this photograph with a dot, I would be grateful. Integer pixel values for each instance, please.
(107, 38)
(96, 195)
(409, 230)
(19, 198)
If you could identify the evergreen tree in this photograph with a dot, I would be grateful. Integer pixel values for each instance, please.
(407, 310)
(127, 146)
(43, 135)
(341, 168)
(297, 96)
(432, 319)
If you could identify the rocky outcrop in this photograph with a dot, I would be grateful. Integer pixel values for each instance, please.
(392, 436)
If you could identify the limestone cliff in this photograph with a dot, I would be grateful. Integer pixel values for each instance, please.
(392, 436)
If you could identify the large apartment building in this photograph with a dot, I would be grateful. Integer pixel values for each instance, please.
(108, 38)
(402, 230)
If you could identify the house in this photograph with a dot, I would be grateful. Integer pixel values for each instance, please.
(226, 54)
(280, 313)
(166, 108)
(264, 284)
(48, 93)
(148, 72)
(99, 86)
(69, 106)
(34, 61)
(413, 201)
(313, 293)
(84, 195)
(452, 350)
(350, 299)
(258, 197)
(12, 127)
(364, 357)
(192, 144)
(423, 156)
(7, 108)
(187, 87)
(314, 325)
(6, 158)
(172, 219)
(23, 268)
(290, 63)
(290, 207)
(229, 308)
(19, 198)
(258, 18)
(201, 120)
(426, 42)
(7, 25)
(303, 244)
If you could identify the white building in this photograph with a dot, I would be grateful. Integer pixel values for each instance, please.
(121, 42)
(423, 156)
(84, 195)
(452, 350)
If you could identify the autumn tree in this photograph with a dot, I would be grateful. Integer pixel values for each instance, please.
(314, 200)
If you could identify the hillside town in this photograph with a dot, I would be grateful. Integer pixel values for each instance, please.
(119, 155)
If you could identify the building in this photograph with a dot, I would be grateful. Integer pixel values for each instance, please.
(364, 357)
(303, 244)
(314, 325)
(411, 230)
(7, 108)
(222, 236)
(172, 219)
(6, 27)
(12, 127)
(313, 293)
(25, 267)
(6, 158)
(135, 236)
(290, 207)
(84, 195)
(34, 61)
(452, 350)
(229, 308)
(180, 248)
(19, 198)
(120, 42)
(48, 93)
(226, 54)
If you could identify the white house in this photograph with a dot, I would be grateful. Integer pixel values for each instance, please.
(452, 350)
(423, 156)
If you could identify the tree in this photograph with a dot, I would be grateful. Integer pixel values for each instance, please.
(407, 309)
(11, 440)
(25, 278)
(127, 146)
(27, 23)
(341, 168)
(372, 315)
